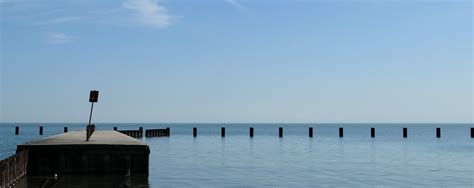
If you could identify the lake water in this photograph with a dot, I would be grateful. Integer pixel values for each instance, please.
(357, 160)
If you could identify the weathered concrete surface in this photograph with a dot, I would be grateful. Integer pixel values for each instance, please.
(107, 152)
(79, 137)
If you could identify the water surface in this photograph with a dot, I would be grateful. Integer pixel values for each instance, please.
(421, 160)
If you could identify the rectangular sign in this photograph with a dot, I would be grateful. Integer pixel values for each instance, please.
(94, 96)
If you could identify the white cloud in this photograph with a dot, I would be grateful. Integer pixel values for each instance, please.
(59, 20)
(148, 12)
(235, 4)
(58, 38)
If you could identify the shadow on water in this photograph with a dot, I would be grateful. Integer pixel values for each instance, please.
(89, 181)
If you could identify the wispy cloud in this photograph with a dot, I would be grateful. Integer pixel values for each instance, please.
(58, 38)
(60, 20)
(236, 4)
(148, 12)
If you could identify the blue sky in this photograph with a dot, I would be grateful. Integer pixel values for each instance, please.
(237, 61)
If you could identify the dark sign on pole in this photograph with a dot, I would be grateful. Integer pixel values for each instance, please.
(94, 96)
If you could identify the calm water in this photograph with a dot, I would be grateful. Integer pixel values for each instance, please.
(292, 161)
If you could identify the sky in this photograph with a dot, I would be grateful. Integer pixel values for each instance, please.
(237, 61)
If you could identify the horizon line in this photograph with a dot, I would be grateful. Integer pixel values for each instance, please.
(239, 123)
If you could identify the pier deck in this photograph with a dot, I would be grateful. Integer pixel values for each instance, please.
(107, 152)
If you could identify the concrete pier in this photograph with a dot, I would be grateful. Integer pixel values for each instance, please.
(106, 152)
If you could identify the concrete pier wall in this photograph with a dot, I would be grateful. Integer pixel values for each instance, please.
(107, 152)
(13, 168)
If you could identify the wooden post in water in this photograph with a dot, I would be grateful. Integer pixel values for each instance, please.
(65, 129)
(372, 132)
(195, 131)
(310, 132)
(17, 130)
(140, 132)
(115, 128)
(438, 132)
(222, 131)
(168, 131)
(41, 130)
(472, 132)
(405, 132)
(251, 132)
(280, 131)
(341, 132)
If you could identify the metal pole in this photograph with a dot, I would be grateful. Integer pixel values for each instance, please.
(90, 116)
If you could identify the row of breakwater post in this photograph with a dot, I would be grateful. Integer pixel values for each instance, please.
(132, 133)
(341, 132)
(40, 130)
(148, 133)
(157, 132)
(166, 132)
(13, 168)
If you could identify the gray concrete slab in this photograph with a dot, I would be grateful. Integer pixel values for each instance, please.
(79, 137)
